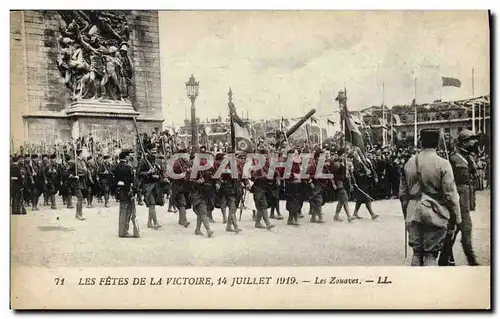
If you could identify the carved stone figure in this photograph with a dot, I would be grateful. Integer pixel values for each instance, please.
(93, 56)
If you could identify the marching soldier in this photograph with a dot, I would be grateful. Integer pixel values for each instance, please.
(52, 180)
(364, 177)
(275, 189)
(318, 189)
(229, 194)
(260, 190)
(124, 174)
(151, 173)
(463, 170)
(28, 181)
(226, 188)
(341, 176)
(66, 190)
(180, 188)
(429, 199)
(42, 190)
(209, 188)
(199, 198)
(17, 176)
(79, 175)
(92, 179)
(105, 177)
(36, 180)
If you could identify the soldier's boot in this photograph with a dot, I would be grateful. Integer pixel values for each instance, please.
(320, 216)
(139, 200)
(234, 221)
(224, 216)
(265, 216)
(182, 217)
(467, 246)
(313, 213)
(429, 260)
(292, 220)
(45, 199)
(210, 217)
(254, 215)
(198, 231)
(53, 202)
(69, 202)
(271, 215)
(137, 231)
(278, 216)
(106, 200)
(99, 199)
(152, 222)
(229, 224)
(170, 206)
(258, 219)
(64, 198)
(370, 210)
(206, 223)
(79, 211)
(91, 199)
(416, 260)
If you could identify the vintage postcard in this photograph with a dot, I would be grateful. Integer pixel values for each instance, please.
(250, 159)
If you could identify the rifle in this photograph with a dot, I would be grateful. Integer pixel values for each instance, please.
(242, 205)
(140, 144)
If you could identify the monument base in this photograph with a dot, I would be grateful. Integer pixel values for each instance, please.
(101, 108)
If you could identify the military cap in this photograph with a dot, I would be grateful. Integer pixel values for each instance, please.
(15, 158)
(45, 156)
(67, 157)
(34, 156)
(161, 156)
(79, 151)
(122, 156)
(241, 154)
(106, 156)
(466, 134)
(429, 134)
(26, 156)
(203, 148)
(89, 157)
(53, 156)
(99, 155)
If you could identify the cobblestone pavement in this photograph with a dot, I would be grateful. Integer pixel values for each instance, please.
(39, 239)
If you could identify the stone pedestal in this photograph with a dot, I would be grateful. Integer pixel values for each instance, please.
(98, 108)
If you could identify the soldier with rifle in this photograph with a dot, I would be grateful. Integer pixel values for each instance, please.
(180, 187)
(150, 174)
(318, 188)
(79, 177)
(105, 177)
(260, 190)
(199, 194)
(66, 190)
(295, 190)
(364, 177)
(92, 181)
(52, 179)
(230, 190)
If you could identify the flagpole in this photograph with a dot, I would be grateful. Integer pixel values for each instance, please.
(392, 129)
(320, 124)
(473, 106)
(415, 111)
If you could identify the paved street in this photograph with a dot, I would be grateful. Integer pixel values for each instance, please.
(40, 240)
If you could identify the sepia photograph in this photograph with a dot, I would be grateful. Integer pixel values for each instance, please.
(247, 140)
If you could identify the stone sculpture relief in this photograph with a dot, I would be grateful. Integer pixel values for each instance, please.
(93, 54)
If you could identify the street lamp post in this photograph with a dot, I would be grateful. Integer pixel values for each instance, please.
(192, 92)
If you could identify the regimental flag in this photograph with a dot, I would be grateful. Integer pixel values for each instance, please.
(240, 132)
(451, 82)
(397, 119)
(352, 132)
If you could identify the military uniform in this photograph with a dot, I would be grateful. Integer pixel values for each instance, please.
(180, 189)
(124, 174)
(79, 175)
(318, 188)
(340, 176)
(105, 178)
(66, 190)
(463, 172)
(260, 190)
(92, 181)
(229, 194)
(17, 176)
(52, 178)
(199, 199)
(364, 177)
(150, 173)
(429, 199)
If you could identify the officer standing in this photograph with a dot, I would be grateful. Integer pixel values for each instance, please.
(79, 174)
(105, 178)
(150, 173)
(17, 175)
(340, 176)
(429, 199)
(463, 170)
(199, 198)
(124, 174)
(180, 187)
(52, 180)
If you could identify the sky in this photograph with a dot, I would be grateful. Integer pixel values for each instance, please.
(284, 63)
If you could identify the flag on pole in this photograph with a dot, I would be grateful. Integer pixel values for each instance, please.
(397, 119)
(451, 82)
(384, 124)
(352, 132)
